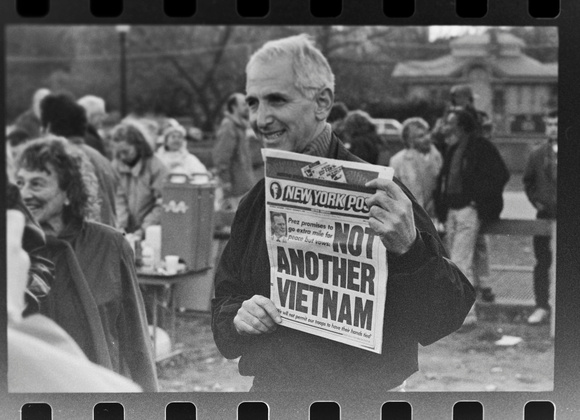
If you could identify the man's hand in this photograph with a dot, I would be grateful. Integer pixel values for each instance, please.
(258, 315)
(391, 216)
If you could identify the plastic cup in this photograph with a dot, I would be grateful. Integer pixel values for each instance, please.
(171, 263)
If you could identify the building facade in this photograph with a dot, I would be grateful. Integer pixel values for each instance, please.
(513, 88)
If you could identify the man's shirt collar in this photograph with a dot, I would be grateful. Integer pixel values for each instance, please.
(320, 146)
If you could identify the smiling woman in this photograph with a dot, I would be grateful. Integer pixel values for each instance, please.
(95, 297)
(57, 191)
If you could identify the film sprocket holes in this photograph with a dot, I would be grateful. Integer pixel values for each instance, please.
(425, 405)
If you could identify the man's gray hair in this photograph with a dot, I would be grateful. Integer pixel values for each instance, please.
(412, 122)
(311, 69)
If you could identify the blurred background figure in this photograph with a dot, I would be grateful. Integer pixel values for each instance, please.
(540, 182)
(142, 175)
(62, 116)
(95, 296)
(17, 138)
(174, 154)
(418, 165)
(462, 96)
(149, 126)
(469, 194)
(29, 120)
(42, 357)
(231, 154)
(95, 111)
(359, 135)
(338, 113)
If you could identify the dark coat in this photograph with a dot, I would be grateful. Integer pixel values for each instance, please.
(427, 299)
(484, 176)
(540, 180)
(96, 299)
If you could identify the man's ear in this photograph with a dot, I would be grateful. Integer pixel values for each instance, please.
(324, 101)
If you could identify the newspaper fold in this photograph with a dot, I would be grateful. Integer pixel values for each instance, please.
(328, 269)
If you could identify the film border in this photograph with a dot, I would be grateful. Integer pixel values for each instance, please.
(504, 405)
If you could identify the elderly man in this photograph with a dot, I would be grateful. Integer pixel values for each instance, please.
(469, 192)
(290, 92)
(419, 163)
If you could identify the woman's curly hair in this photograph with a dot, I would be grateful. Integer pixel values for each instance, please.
(74, 171)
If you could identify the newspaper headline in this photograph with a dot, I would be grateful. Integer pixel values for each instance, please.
(328, 268)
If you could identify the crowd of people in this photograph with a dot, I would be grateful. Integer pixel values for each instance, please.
(76, 192)
(82, 197)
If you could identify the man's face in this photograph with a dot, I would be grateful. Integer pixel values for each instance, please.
(279, 226)
(279, 114)
(41, 193)
(419, 139)
(125, 152)
(551, 128)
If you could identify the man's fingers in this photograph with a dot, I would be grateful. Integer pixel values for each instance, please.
(251, 325)
(387, 185)
(380, 199)
(268, 306)
(257, 315)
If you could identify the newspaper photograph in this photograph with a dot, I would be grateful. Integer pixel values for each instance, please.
(328, 269)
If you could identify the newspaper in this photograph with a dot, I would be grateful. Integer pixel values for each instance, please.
(328, 269)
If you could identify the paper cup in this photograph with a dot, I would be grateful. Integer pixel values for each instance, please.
(171, 263)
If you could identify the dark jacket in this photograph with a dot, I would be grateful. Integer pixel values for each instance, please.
(484, 176)
(93, 139)
(540, 180)
(96, 299)
(40, 274)
(427, 299)
(108, 180)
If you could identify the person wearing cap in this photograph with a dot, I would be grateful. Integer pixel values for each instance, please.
(463, 98)
(174, 154)
(540, 181)
(469, 192)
